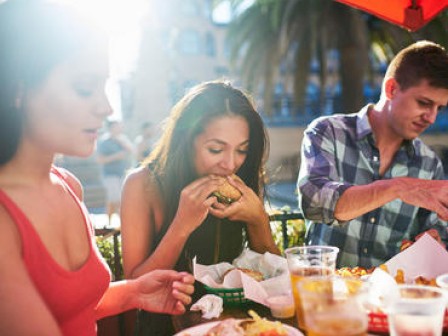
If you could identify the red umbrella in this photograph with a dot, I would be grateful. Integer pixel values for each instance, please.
(410, 14)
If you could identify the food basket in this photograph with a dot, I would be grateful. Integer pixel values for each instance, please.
(378, 322)
(230, 296)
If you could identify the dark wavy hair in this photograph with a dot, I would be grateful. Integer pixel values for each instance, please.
(35, 36)
(172, 160)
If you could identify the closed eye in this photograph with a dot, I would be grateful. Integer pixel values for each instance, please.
(84, 92)
(215, 151)
(424, 103)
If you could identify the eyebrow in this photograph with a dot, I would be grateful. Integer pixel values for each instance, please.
(430, 101)
(245, 142)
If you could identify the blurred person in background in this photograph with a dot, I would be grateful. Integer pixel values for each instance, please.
(367, 182)
(169, 213)
(114, 154)
(53, 69)
(145, 141)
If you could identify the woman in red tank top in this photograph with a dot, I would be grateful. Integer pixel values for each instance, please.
(53, 68)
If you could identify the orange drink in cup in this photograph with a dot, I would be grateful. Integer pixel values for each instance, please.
(307, 261)
(333, 306)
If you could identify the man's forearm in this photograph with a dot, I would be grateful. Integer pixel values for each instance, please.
(358, 200)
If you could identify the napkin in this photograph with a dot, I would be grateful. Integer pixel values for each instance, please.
(383, 290)
(210, 305)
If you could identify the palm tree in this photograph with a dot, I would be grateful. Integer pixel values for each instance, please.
(273, 38)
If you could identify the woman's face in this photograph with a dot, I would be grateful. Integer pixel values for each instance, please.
(65, 112)
(222, 148)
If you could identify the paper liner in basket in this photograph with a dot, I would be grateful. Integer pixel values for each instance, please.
(426, 257)
(273, 267)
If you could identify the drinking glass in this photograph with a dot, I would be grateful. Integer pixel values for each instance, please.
(333, 306)
(419, 310)
(306, 261)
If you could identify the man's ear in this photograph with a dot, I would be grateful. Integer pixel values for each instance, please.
(390, 87)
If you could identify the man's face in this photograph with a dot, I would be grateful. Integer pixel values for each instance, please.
(413, 110)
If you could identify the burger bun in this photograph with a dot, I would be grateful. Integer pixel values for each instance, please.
(227, 193)
(256, 275)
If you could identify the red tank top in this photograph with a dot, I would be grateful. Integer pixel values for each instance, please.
(70, 295)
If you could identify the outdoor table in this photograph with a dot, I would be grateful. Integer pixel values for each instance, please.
(193, 318)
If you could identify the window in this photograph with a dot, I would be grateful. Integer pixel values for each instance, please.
(210, 45)
(190, 42)
(190, 7)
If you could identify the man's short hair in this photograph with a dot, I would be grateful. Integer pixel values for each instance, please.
(423, 60)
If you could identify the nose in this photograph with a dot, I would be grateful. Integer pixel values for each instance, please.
(431, 115)
(229, 162)
(103, 108)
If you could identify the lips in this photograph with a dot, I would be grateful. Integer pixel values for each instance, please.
(92, 132)
(420, 126)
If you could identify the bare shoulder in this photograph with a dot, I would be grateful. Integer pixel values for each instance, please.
(140, 199)
(137, 175)
(140, 181)
(73, 182)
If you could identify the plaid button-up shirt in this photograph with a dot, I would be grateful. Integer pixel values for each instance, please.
(338, 152)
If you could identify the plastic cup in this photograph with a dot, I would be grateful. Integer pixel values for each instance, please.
(333, 306)
(306, 261)
(282, 306)
(419, 310)
(442, 281)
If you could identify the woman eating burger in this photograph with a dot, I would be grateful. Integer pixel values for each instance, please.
(176, 205)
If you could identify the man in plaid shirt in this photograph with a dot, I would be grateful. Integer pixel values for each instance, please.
(366, 180)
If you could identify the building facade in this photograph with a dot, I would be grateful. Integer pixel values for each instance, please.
(181, 46)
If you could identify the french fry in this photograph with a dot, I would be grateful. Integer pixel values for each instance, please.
(405, 244)
(384, 268)
(356, 271)
(421, 280)
(359, 271)
(399, 276)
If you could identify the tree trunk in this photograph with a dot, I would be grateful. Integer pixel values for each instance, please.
(352, 43)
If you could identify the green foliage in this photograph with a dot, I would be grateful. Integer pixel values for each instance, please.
(290, 34)
(106, 248)
(295, 229)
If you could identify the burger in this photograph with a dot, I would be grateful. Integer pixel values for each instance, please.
(256, 275)
(227, 193)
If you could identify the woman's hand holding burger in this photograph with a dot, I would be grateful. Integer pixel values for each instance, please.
(246, 206)
(195, 203)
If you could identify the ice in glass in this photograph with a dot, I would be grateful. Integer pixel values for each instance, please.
(307, 261)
